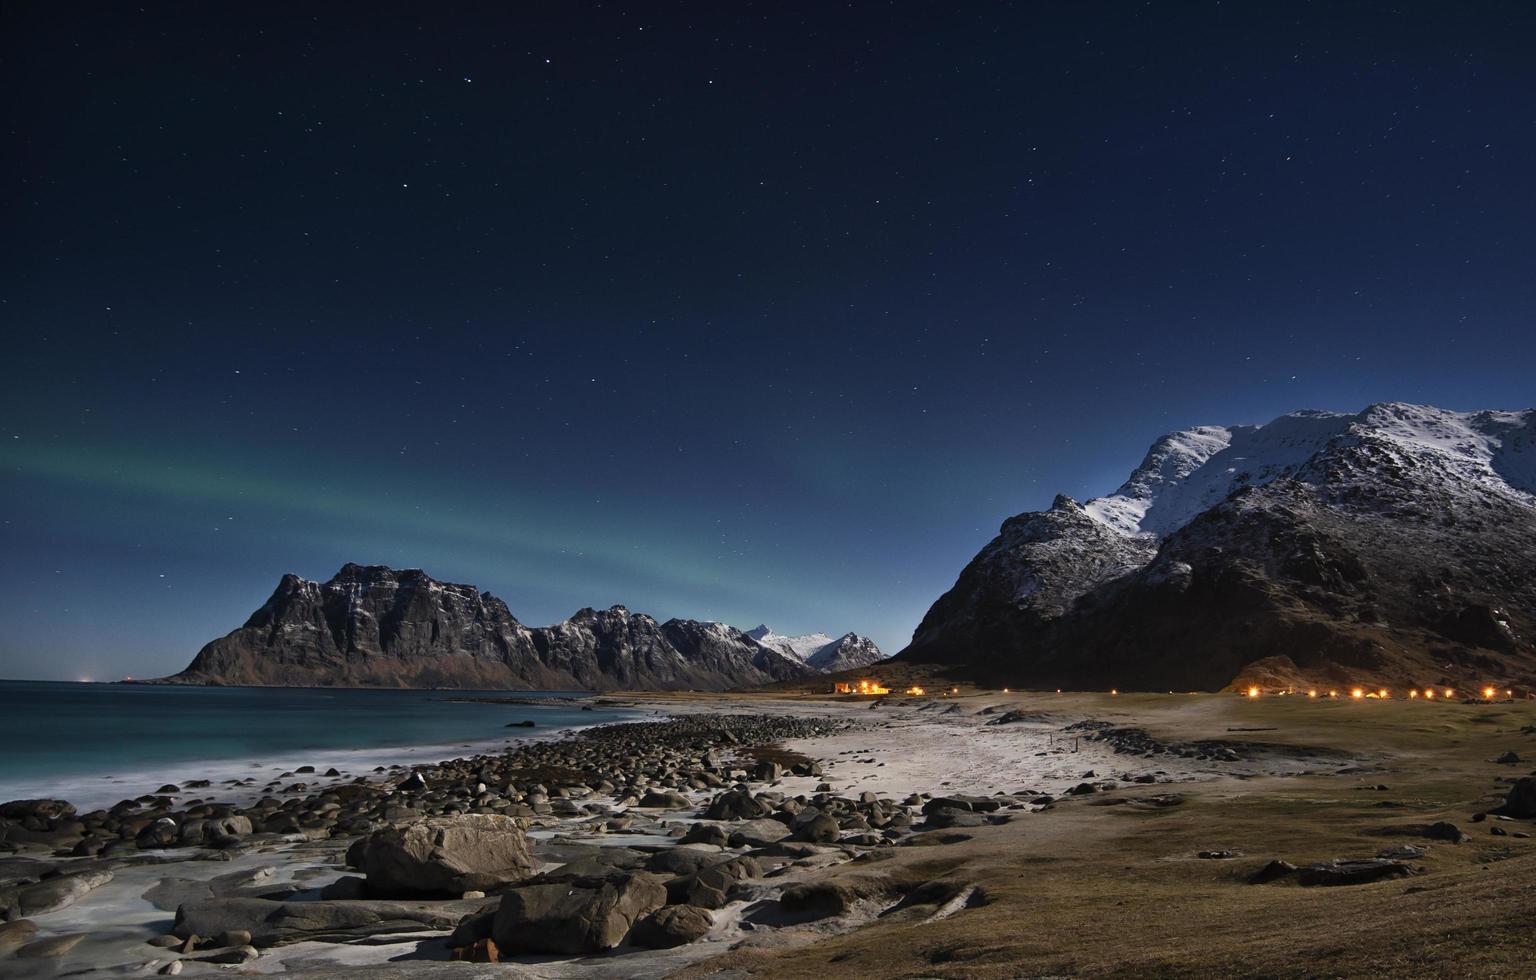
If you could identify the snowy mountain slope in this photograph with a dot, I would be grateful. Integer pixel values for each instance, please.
(818, 650)
(1398, 539)
(799, 647)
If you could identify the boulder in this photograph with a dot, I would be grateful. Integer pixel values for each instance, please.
(53, 894)
(1445, 831)
(444, 856)
(51, 947)
(272, 923)
(815, 828)
(706, 833)
(583, 916)
(1273, 871)
(818, 899)
(1521, 801)
(664, 800)
(44, 810)
(162, 833)
(672, 925)
(737, 805)
(756, 833)
(682, 860)
(1361, 871)
(17, 932)
(710, 888)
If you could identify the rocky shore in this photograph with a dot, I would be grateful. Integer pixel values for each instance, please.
(628, 849)
(569, 847)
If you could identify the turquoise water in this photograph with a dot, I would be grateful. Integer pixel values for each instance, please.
(92, 744)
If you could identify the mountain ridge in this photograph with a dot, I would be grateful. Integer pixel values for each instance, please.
(1394, 545)
(375, 626)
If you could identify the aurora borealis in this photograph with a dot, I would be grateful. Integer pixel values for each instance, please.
(754, 318)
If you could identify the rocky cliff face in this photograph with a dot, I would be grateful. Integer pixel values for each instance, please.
(376, 626)
(1395, 546)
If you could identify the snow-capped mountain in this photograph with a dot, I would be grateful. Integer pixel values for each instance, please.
(1397, 544)
(372, 626)
(819, 650)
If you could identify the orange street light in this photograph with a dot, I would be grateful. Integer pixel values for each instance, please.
(1357, 694)
(1253, 692)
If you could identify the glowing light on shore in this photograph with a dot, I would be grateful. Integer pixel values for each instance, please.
(1333, 694)
(1450, 693)
(1114, 692)
(1413, 693)
(915, 691)
(1488, 693)
(1357, 694)
(1253, 692)
(1312, 693)
(1429, 693)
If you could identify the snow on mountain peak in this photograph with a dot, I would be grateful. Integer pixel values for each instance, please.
(1192, 470)
(799, 647)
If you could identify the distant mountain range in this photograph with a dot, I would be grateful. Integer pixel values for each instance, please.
(373, 626)
(828, 656)
(1393, 546)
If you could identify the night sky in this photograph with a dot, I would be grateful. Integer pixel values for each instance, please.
(751, 312)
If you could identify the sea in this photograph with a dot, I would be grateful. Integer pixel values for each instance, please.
(96, 744)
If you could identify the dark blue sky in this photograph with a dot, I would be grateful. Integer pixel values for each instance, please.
(748, 312)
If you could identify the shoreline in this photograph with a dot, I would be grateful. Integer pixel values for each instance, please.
(104, 786)
(913, 786)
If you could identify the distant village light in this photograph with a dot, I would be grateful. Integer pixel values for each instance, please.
(1357, 694)
(1253, 692)
(1429, 693)
(1488, 693)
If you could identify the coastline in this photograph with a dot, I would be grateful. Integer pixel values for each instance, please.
(968, 806)
(88, 792)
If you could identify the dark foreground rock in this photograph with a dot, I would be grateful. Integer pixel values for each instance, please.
(1521, 802)
(582, 916)
(672, 925)
(1361, 871)
(273, 923)
(51, 894)
(444, 856)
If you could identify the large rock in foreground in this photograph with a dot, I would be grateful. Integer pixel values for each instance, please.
(444, 856)
(582, 916)
(272, 923)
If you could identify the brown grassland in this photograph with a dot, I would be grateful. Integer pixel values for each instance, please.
(1090, 888)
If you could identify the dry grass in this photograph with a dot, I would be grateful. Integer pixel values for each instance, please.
(1086, 889)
